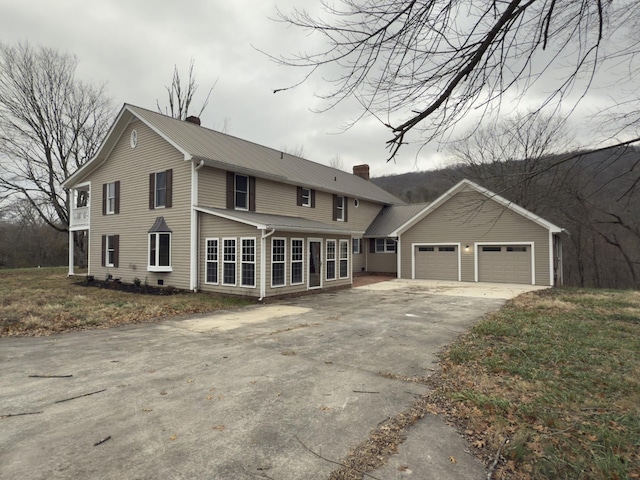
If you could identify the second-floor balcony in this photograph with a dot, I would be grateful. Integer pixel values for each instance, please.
(80, 217)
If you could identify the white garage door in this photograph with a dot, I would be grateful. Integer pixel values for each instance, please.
(436, 262)
(504, 263)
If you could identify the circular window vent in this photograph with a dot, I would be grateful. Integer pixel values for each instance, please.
(134, 138)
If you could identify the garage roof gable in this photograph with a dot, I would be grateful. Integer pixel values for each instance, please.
(464, 184)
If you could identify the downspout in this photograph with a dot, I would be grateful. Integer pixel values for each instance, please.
(399, 257)
(193, 275)
(263, 262)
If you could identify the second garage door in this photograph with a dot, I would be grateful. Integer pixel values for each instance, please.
(504, 263)
(436, 262)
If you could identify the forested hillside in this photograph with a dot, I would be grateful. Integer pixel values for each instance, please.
(594, 196)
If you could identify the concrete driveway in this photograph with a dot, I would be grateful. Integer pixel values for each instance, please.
(261, 392)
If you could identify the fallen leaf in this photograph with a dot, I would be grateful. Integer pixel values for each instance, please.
(210, 397)
(479, 444)
(172, 438)
(453, 460)
(147, 409)
(324, 408)
(190, 380)
(219, 428)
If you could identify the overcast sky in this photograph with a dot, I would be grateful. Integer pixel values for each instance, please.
(133, 45)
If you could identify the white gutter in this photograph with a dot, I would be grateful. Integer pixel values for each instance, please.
(263, 262)
(193, 254)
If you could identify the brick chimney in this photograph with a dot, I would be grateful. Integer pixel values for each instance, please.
(361, 171)
(192, 119)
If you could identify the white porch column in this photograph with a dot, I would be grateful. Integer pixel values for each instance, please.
(71, 272)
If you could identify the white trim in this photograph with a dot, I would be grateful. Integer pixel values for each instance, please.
(235, 262)
(193, 230)
(551, 258)
(340, 242)
(71, 255)
(399, 258)
(206, 260)
(326, 260)
(263, 262)
(320, 275)
(284, 262)
(291, 260)
(242, 262)
(459, 187)
(436, 244)
(158, 268)
(499, 244)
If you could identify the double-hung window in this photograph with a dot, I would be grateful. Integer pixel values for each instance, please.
(344, 259)
(248, 268)
(110, 250)
(339, 208)
(160, 189)
(278, 259)
(211, 261)
(385, 245)
(297, 261)
(111, 198)
(357, 245)
(331, 259)
(229, 261)
(241, 190)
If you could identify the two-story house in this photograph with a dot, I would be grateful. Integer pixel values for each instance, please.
(168, 202)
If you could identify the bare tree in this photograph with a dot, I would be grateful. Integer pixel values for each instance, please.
(517, 157)
(180, 96)
(336, 162)
(50, 125)
(426, 64)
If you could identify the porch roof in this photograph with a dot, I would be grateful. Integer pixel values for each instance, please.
(282, 223)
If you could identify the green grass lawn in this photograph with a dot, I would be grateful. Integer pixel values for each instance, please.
(44, 301)
(552, 382)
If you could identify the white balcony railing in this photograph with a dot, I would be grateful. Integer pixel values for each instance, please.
(80, 217)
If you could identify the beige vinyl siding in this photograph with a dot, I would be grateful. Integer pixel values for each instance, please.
(132, 166)
(212, 187)
(359, 261)
(381, 262)
(211, 226)
(281, 199)
(470, 217)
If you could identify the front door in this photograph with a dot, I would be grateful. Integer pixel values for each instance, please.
(315, 267)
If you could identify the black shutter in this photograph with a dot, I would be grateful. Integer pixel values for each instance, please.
(372, 245)
(313, 199)
(117, 202)
(345, 208)
(104, 250)
(104, 199)
(152, 191)
(231, 202)
(252, 194)
(169, 192)
(299, 196)
(335, 207)
(115, 239)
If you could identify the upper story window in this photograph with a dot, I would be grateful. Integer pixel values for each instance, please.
(111, 198)
(241, 192)
(160, 189)
(306, 197)
(339, 208)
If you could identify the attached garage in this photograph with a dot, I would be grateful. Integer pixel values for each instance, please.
(437, 262)
(505, 263)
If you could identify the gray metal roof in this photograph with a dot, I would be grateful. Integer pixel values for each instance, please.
(281, 223)
(392, 217)
(235, 154)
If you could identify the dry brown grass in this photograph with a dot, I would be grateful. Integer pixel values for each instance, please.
(45, 301)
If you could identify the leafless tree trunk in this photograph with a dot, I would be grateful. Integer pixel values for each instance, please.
(50, 125)
(180, 96)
